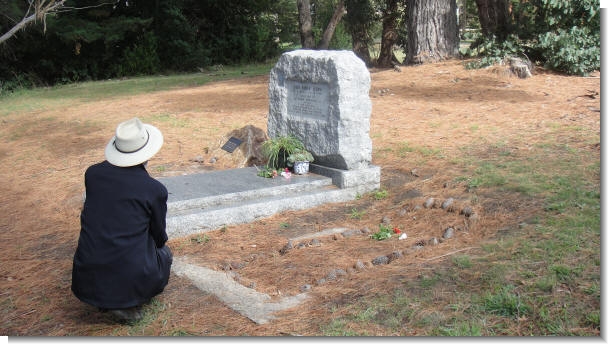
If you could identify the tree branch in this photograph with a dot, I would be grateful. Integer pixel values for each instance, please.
(41, 11)
(339, 12)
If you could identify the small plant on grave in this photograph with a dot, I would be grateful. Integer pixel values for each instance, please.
(383, 233)
(278, 149)
(299, 155)
(380, 194)
(200, 239)
(267, 172)
(356, 214)
(299, 161)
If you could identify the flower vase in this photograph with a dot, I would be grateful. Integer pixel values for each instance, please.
(301, 167)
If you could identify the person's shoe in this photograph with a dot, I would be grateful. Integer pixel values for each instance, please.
(127, 315)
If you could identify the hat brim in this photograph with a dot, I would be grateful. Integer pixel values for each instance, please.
(118, 158)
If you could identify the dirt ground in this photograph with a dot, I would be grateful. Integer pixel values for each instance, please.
(425, 119)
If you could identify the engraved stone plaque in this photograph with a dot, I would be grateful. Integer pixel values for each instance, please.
(305, 99)
(231, 145)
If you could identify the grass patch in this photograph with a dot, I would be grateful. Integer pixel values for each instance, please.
(166, 118)
(200, 239)
(151, 313)
(404, 149)
(356, 214)
(50, 97)
(540, 279)
(380, 194)
(505, 302)
(338, 328)
(463, 262)
(460, 329)
(181, 333)
(385, 313)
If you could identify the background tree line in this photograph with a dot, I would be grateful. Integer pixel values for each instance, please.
(78, 40)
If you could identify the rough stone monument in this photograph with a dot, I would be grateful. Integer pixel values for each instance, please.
(322, 98)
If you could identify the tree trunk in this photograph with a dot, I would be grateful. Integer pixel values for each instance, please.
(305, 22)
(339, 12)
(432, 31)
(389, 35)
(462, 21)
(494, 17)
(358, 19)
(360, 47)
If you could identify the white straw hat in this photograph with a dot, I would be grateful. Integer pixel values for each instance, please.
(133, 144)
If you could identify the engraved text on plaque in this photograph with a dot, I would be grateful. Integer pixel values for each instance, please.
(308, 99)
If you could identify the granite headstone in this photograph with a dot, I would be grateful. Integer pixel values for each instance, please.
(322, 98)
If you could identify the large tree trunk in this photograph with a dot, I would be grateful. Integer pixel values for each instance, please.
(358, 19)
(494, 17)
(305, 22)
(339, 12)
(432, 31)
(360, 47)
(463, 18)
(389, 34)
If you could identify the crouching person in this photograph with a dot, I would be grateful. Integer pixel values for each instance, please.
(121, 261)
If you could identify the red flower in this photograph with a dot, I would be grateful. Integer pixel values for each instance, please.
(396, 230)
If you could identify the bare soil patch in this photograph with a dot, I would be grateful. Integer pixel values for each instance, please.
(425, 119)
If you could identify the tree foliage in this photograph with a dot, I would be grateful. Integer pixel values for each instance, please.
(99, 39)
(561, 35)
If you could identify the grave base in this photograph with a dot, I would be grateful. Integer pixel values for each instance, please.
(366, 179)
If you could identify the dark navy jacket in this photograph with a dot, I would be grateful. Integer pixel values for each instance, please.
(121, 260)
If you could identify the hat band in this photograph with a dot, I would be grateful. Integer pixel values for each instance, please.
(138, 149)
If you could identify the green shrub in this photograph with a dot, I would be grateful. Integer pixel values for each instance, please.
(141, 58)
(574, 51)
(492, 51)
(562, 35)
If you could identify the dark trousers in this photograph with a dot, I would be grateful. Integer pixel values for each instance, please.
(166, 259)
